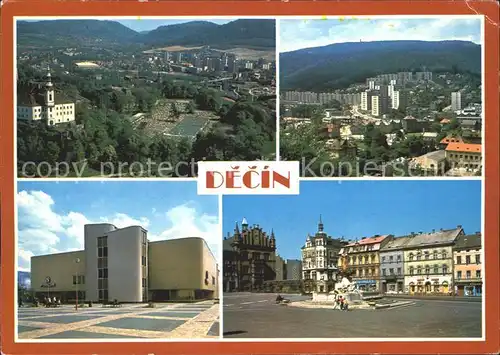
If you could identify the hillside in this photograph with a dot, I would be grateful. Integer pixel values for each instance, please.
(339, 65)
(76, 32)
(239, 33)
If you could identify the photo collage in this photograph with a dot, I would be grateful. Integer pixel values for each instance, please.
(115, 116)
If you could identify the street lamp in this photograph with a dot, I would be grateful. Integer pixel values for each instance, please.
(77, 261)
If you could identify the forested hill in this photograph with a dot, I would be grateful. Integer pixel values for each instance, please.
(244, 33)
(339, 65)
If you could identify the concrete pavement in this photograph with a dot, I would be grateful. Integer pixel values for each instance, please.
(249, 315)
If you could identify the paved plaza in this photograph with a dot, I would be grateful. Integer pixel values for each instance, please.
(249, 315)
(187, 320)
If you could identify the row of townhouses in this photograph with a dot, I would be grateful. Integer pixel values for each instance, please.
(438, 262)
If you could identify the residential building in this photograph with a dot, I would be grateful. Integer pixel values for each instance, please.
(399, 100)
(392, 276)
(366, 100)
(39, 101)
(320, 256)
(468, 265)
(432, 162)
(122, 264)
(464, 155)
(361, 260)
(280, 269)
(456, 101)
(381, 101)
(249, 258)
(428, 262)
(293, 269)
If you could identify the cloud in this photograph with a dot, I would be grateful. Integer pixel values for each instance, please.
(42, 230)
(298, 34)
(186, 221)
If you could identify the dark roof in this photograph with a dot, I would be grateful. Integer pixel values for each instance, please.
(33, 95)
(468, 241)
(435, 238)
(396, 243)
(226, 244)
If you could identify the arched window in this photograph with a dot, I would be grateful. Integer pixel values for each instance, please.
(427, 270)
(419, 270)
(436, 269)
(410, 257)
(435, 254)
(412, 270)
(445, 269)
(443, 254)
(419, 255)
(426, 255)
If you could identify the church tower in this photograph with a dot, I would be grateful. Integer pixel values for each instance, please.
(49, 91)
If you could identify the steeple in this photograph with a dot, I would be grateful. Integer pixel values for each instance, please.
(244, 224)
(237, 229)
(272, 234)
(320, 225)
(49, 89)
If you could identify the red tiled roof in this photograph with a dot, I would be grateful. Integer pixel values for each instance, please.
(371, 240)
(448, 140)
(464, 147)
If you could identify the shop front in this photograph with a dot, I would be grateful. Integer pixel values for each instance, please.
(367, 285)
(429, 285)
(468, 289)
(392, 284)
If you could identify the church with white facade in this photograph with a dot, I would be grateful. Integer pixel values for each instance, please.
(39, 101)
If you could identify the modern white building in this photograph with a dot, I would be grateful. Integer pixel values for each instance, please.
(40, 102)
(456, 101)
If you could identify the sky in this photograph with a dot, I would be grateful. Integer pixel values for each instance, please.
(145, 24)
(356, 209)
(52, 215)
(298, 34)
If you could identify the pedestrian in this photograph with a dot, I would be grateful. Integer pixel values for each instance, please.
(339, 302)
(345, 305)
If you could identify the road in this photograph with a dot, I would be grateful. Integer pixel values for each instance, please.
(249, 315)
(369, 119)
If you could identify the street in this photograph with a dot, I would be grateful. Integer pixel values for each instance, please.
(248, 315)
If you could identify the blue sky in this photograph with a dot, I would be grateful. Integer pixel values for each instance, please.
(355, 209)
(145, 24)
(51, 215)
(298, 34)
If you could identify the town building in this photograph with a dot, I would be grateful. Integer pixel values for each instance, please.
(320, 256)
(468, 265)
(366, 100)
(464, 155)
(280, 268)
(121, 264)
(428, 262)
(432, 162)
(456, 101)
(40, 102)
(293, 269)
(249, 258)
(361, 260)
(391, 265)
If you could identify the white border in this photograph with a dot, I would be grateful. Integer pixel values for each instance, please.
(277, 18)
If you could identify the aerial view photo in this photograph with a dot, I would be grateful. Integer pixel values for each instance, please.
(317, 272)
(143, 97)
(385, 96)
(93, 265)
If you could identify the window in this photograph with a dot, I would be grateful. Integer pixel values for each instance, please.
(478, 274)
(436, 269)
(398, 258)
(459, 275)
(410, 257)
(399, 271)
(206, 275)
(419, 270)
(391, 258)
(478, 259)
(427, 270)
(144, 282)
(102, 268)
(445, 269)
(391, 271)
(467, 259)
(213, 280)
(383, 259)
(435, 255)
(143, 261)
(444, 254)
(412, 270)
(459, 260)
(383, 272)
(426, 255)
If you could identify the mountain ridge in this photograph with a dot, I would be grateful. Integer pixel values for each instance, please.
(338, 65)
(250, 33)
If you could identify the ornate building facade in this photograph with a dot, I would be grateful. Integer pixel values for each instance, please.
(362, 259)
(319, 260)
(428, 262)
(467, 265)
(249, 258)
